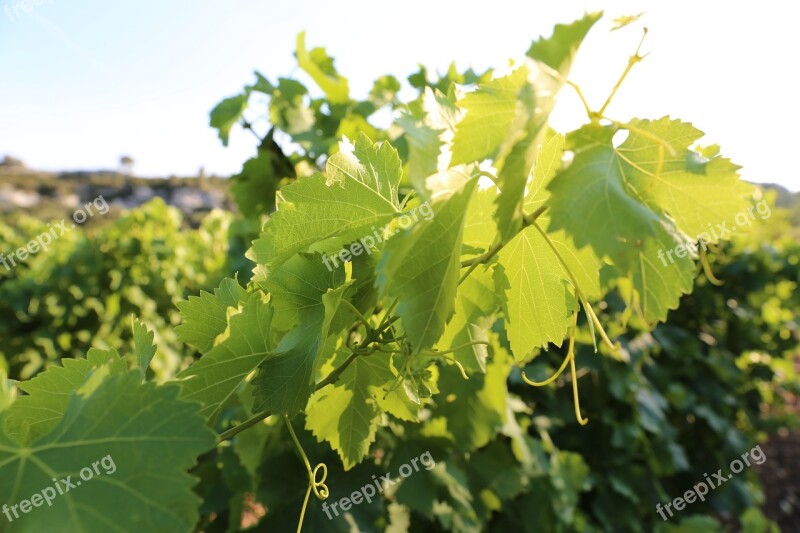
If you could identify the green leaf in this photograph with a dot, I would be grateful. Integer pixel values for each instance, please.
(311, 295)
(491, 112)
(254, 187)
(536, 288)
(642, 190)
(477, 299)
(535, 101)
(136, 440)
(590, 200)
(698, 193)
(515, 169)
(538, 298)
(347, 413)
(287, 109)
(39, 411)
(558, 51)
(420, 267)
(323, 214)
(661, 283)
(205, 316)
(319, 66)
(425, 125)
(476, 302)
(215, 377)
(596, 204)
(384, 90)
(376, 166)
(143, 346)
(583, 263)
(227, 113)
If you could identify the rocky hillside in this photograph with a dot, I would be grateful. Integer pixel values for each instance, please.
(51, 195)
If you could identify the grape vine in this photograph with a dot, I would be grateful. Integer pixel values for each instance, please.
(420, 333)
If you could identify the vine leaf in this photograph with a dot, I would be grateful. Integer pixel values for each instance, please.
(696, 191)
(322, 214)
(535, 286)
(347, 414)
(600, 201)
(420, 267)
(558, 51)
(583, 263)
(476, 300)
(205, 316)
(39, 411)
(319, 66)
(306, 297)
(537, 298)
(144, 438)
(425, 131)
(227, 113)
(552, 58)
(491, 111)
(216, 376)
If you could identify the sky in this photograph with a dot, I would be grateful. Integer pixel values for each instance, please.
(85, 82)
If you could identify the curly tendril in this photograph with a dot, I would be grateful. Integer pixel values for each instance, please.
(319, 488)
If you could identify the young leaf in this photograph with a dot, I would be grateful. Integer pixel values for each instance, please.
(320, 67)
(558, 50)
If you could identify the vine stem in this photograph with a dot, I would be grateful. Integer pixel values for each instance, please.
(527, 220)
(635, 58)
(452, 350)
(250, 422)
(263, 415)
(586, 107)
(359, 314)
(337, 372)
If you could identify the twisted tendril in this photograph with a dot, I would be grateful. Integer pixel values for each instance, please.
(319, 487)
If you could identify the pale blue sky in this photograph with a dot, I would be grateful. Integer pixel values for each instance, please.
(83, 82)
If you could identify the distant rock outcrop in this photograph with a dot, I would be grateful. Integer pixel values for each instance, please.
(49, 195)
